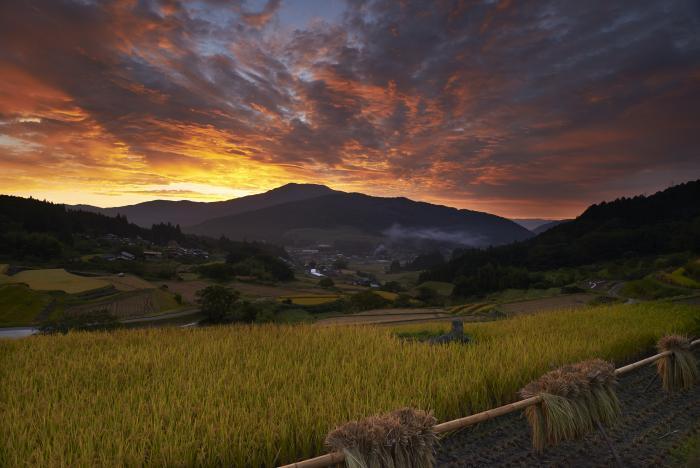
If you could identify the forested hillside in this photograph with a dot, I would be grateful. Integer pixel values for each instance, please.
(666, 222)
(43, 230)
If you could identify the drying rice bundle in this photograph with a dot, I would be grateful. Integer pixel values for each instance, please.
(678, 370)
(575, 399)
(402, 438)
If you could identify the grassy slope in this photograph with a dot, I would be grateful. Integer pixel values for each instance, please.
(649, 288)
(251, 395)
(679, 277)
(19, 305)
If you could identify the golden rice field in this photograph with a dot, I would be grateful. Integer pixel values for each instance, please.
(267, 394)
(54, 279)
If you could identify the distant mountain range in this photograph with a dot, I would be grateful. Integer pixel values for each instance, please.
(304, 213)
(547, 226)
(537, 225)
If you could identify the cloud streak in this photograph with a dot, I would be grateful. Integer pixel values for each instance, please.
(523, 109)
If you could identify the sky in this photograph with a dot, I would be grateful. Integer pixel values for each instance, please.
(523, 109)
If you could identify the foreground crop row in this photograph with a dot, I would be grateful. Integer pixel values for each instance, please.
(252, 395)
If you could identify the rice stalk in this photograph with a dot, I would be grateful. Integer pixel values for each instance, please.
(575, 398)
(678, 370)
(265, 395)
(402, 438)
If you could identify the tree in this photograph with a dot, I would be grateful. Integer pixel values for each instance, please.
(217, 302)
(326, 282)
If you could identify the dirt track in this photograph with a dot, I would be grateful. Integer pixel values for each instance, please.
(653, 423)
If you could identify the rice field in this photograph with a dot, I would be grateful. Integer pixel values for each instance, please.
(54, 279)
(127, 282)
(310, 300)
(262, 395)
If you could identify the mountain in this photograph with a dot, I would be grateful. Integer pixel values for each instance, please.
(547, 226)
(666, 222)
(188, 213)
(345, 216)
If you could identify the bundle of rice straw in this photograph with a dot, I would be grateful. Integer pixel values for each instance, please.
(678, 370)
(575, 399)
(402, 438)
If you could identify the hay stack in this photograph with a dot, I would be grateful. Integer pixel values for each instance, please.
(679, 370)
(402, 438)
(575, 399)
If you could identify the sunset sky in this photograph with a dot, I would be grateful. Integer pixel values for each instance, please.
(523, 109)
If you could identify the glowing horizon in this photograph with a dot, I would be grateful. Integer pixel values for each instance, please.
(522, 111)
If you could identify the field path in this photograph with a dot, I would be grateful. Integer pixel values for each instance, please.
(166, 316)
(653, 423)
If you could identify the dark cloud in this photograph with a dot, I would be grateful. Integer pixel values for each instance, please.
(501, 106)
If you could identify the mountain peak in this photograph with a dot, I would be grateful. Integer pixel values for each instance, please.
(297, 187)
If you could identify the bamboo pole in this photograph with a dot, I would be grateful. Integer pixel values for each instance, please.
(485, 415)
(328, 459)
(333, 458)
(638, 364)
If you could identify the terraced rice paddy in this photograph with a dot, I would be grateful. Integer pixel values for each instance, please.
(132, 304)
(56, 279)
(252, 395)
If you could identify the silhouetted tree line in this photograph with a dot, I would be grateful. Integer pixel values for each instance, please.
(261, 260)
(663, 223)
(31, 228)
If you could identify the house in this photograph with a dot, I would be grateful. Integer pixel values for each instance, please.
(152, 254)
(126, 256)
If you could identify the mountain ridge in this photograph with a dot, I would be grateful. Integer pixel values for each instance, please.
(372, 215)
(189, 213)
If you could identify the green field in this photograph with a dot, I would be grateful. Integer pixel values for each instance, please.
(20, 305)
(56, 279)
(268, 394)
(678, 277)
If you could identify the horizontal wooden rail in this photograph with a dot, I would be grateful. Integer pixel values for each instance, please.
(333, 458)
